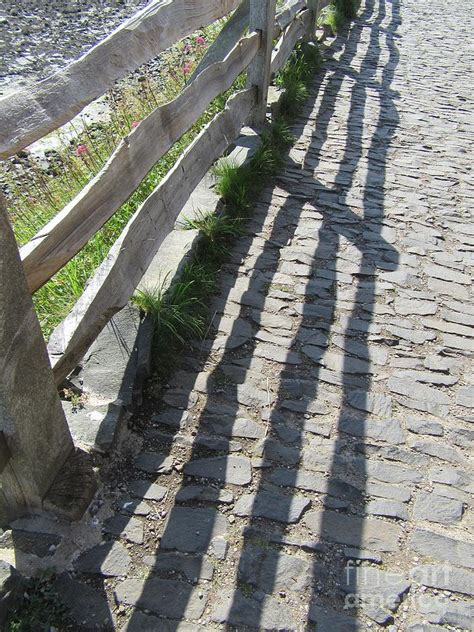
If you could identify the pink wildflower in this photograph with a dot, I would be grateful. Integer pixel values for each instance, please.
(135, 124)
(186, 69)
(81, 150)
(188, 48)
(200, 40)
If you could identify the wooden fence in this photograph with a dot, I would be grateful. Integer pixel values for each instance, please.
(34, 438)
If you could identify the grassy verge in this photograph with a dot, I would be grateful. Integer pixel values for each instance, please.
(180, 313)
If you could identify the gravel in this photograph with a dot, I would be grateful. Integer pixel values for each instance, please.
(38, 38)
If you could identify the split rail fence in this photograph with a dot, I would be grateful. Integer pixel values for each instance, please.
(34, 438)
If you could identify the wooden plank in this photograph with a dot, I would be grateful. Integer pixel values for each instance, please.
(228, 37)
(288, 13)
(288, 40)
(69, 231)
(261, 19)
(117, 277)
(30, 113)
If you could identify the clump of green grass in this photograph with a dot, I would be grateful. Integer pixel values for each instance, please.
(40, 609)
(217, 231)
(338, 13)
(295, 77)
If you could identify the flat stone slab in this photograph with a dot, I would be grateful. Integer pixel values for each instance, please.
(445, 612)
(388, 430)
(164, 597)
(147, 490)
(236, 470)
(141, 622)
(270, 570)
(236, 609)
(272, 506)
(110, 559)
(126, 527)
(444, 577)
(354, 531)
(154, 463)
(86, 606)
(436, 508)
(331, 620)
(205, 494)
(192, 567)
(191, 529)
(442, 547)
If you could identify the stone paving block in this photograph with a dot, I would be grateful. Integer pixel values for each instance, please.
(191, 529)
(235, 470)
(192, 567)
(444, 577)
(435, 508)
(164, 597)
(141, 622)
(87, 607)
(354, 531)
(236, 609)
(110, 559)
(154, 463)
(442, 547)
(271, 571)
(443, 611)
(272, 506)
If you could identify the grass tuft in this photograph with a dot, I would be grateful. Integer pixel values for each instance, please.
(217, 231)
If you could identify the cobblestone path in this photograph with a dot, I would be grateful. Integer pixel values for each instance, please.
(310, 467)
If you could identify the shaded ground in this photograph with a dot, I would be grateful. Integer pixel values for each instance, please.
(310, 464)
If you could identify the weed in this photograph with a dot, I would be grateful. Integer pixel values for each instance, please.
(338, 13)
(217, 232)
(176, 311)
(40, 609)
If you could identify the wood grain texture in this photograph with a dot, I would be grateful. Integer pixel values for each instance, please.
(261, 19)
(285, 45)
(288, 13)
(30, 113)
(69, 231)
(116, 279)
(228, 37)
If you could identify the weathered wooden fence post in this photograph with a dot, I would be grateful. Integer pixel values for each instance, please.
(313, 6)
(261, 19)
(34, 437)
